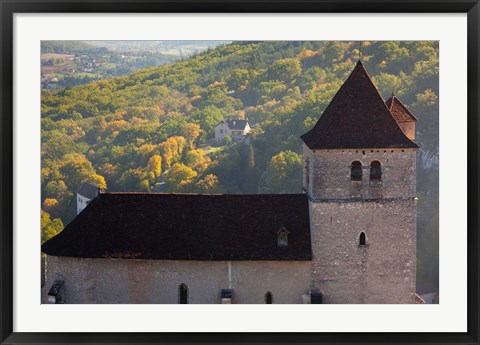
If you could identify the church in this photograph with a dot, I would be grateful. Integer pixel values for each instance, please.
(349, 238)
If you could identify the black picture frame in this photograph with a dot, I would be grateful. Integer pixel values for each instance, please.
(10, 7)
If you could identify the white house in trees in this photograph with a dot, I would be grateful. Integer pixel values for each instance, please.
(85, 194)
(236, 129)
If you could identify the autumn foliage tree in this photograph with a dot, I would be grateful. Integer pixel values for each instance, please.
(180, 177)
(209, 185)
(154, 165)
(284, 172)
(190, 131)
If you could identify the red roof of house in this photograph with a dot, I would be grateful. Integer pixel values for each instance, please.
(357, 117)
(399, 110)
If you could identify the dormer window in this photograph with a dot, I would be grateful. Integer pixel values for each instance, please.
(356, 172)
(282, 237)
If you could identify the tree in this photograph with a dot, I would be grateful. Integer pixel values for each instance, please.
(77, 169)
(208, 118)
(227, 140)
(172, 150)
(197, 160)
(135, 180)
(251, 179)
(209, 185)
(144, 186)
(56, 189)
(49, 227)
(285, 69)
(388, 84)
(154, 165)
(179, 177)
(284, 173)
(190, 131)
(239, 78)
(52, 206)
(426, 106)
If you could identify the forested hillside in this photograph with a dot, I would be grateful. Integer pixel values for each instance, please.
(152, 130)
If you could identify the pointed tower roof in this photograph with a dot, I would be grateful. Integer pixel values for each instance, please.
(399, 111)
(357, 117)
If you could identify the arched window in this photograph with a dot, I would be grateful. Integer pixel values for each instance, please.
(282, 237)
(356, 173)
(362, 241)
(268, 298)
(375, 171)
(183, 294)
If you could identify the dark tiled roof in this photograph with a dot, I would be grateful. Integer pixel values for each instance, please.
(399, 110)
(88, 190)
(235, 125)
(187, 227)
(357, 117)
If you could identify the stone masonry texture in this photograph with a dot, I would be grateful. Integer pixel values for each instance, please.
(382, 271)
(157, 281)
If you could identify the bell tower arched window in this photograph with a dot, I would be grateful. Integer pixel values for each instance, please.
(375, 171)
(356, 172)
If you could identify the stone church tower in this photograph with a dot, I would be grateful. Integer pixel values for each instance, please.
(360, 179)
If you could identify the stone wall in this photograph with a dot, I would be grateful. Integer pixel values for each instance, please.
(330, 173)
(158, 281)
(382, 271)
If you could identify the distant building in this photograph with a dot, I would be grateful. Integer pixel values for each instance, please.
(85, 194)
(349, 238)
(236, 129)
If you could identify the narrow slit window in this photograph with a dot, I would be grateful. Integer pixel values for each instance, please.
(268, 298)
(356, 171)
(183, 294)
(375, 171)
(282, 237)
(307, 171)
(362, 241)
